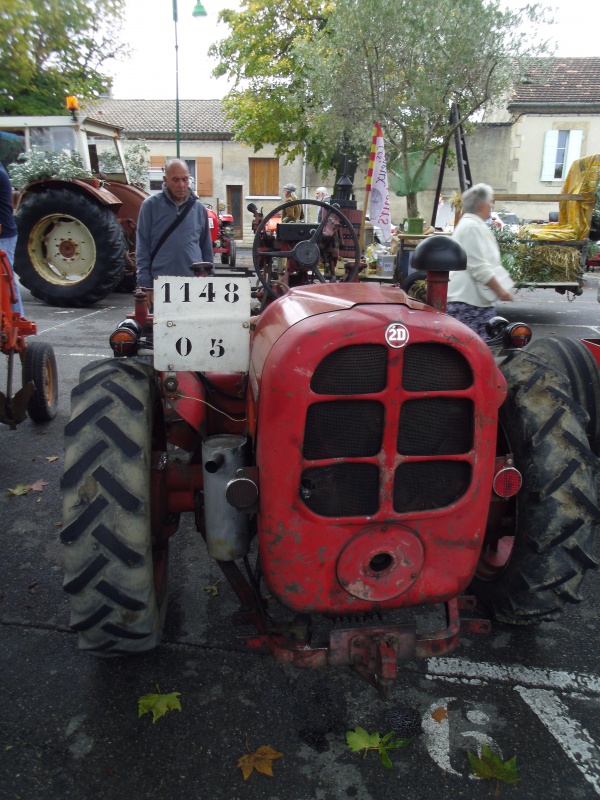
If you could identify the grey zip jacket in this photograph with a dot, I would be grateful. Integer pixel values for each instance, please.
(188, 243)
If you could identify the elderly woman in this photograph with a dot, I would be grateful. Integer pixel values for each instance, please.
(466, 298)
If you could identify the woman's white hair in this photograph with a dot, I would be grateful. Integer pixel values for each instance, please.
(475, 196)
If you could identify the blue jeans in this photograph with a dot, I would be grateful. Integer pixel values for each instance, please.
(8, 245)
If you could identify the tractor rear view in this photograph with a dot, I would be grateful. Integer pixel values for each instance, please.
(76, 235)
(350, 454)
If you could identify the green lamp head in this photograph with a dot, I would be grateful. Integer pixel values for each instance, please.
(199, 10)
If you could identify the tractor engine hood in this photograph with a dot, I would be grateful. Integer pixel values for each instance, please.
(375, 443)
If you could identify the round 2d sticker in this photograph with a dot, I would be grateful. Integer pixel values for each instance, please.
(396, 335)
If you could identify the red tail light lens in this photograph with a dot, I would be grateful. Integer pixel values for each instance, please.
(517, 335)
(507, 482)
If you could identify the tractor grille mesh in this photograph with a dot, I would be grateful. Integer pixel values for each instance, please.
(435, 368)
(436, 426)
(425, 485)
(343, 429)
(359, 369)
(341, 490)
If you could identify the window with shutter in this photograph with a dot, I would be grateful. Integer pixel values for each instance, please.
(561, 148)
(264, 177)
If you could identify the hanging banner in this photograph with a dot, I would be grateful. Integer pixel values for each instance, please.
(377, 185)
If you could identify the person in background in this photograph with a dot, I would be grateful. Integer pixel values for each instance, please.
(294, 213)
(322, 195)
(8, 234)
(186, 244)
(465, 301)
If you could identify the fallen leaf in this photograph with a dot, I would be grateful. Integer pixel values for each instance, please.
(212, 590)
(359, 739)
(158, 704)
(439, 714)
(38, 486)
(261, 761)
(52, 458)
(58, 524)
(31, 584)
(20, 489)
(491, 766)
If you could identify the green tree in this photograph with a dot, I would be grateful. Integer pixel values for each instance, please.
(398, 62)
(266, 104)
(54, 48)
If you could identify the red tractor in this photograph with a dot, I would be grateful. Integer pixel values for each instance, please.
(350, 454)
(221, 233)
(38, 395)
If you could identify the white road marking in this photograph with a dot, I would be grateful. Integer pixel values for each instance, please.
(571, 736)
(538, 688)
(72, 321)
(524, 676)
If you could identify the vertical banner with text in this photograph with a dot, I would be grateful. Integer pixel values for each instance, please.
(377, 185)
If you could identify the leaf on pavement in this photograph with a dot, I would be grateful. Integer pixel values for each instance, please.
(261, 761)
(20, 489)
(359, 739)
(440, 714)
(490, 765)
(38, 486)
(52, 458)
(158, 704)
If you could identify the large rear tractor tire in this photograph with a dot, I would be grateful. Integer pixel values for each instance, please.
(536, 554)
(574, 360)
(115, 561)
(39, 366)
(71, 250)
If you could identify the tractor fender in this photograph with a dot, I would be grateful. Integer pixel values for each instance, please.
(91, 188)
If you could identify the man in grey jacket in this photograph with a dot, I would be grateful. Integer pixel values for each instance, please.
(188, 243)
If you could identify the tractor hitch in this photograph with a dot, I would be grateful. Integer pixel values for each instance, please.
(374, 653)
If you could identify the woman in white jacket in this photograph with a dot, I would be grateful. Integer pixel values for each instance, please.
(468, 301)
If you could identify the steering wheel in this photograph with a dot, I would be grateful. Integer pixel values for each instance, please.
(305, 254)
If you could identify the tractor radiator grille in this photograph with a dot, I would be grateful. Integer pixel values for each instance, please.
(341, 490)
(436, 426)
(355, 428)
(360, 369)
(424, 485)
(435, 368)
(343, 429)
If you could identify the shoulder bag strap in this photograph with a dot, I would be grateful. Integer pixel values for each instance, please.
(179, 219)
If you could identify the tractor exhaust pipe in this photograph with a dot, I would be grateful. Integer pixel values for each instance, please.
(227, 529)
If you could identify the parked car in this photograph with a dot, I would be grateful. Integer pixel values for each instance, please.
(505, 219)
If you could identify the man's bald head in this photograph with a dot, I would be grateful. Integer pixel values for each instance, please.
(177, 179)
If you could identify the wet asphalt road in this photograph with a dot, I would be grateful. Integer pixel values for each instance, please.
(69, 727)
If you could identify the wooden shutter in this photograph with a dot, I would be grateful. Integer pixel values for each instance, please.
(549, 156)
(264, 177)
(573, 149)
(204, 176)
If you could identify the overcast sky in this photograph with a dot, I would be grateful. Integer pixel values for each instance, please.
(150, 31)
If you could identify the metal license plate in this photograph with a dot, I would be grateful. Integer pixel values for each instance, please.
(201, 324)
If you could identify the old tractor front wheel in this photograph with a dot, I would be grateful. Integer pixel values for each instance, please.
(39, 366)
(115, 550)
(70, 250)
(538, 549)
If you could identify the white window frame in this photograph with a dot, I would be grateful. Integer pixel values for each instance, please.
(549, 158)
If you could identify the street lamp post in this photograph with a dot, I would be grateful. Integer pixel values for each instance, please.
(199, 11)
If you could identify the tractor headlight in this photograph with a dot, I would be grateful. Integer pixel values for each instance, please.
(125, 340)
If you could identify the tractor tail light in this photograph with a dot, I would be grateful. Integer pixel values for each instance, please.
(507, 482)
(126, 338)
(517, 335)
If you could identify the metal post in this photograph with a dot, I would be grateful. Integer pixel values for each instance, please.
(177, 135)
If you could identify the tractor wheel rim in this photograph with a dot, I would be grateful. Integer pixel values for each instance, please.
(62, 249)
(49, 384)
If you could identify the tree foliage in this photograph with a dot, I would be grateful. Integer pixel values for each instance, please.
(54, 48)
(266, 104)
(326, 72)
